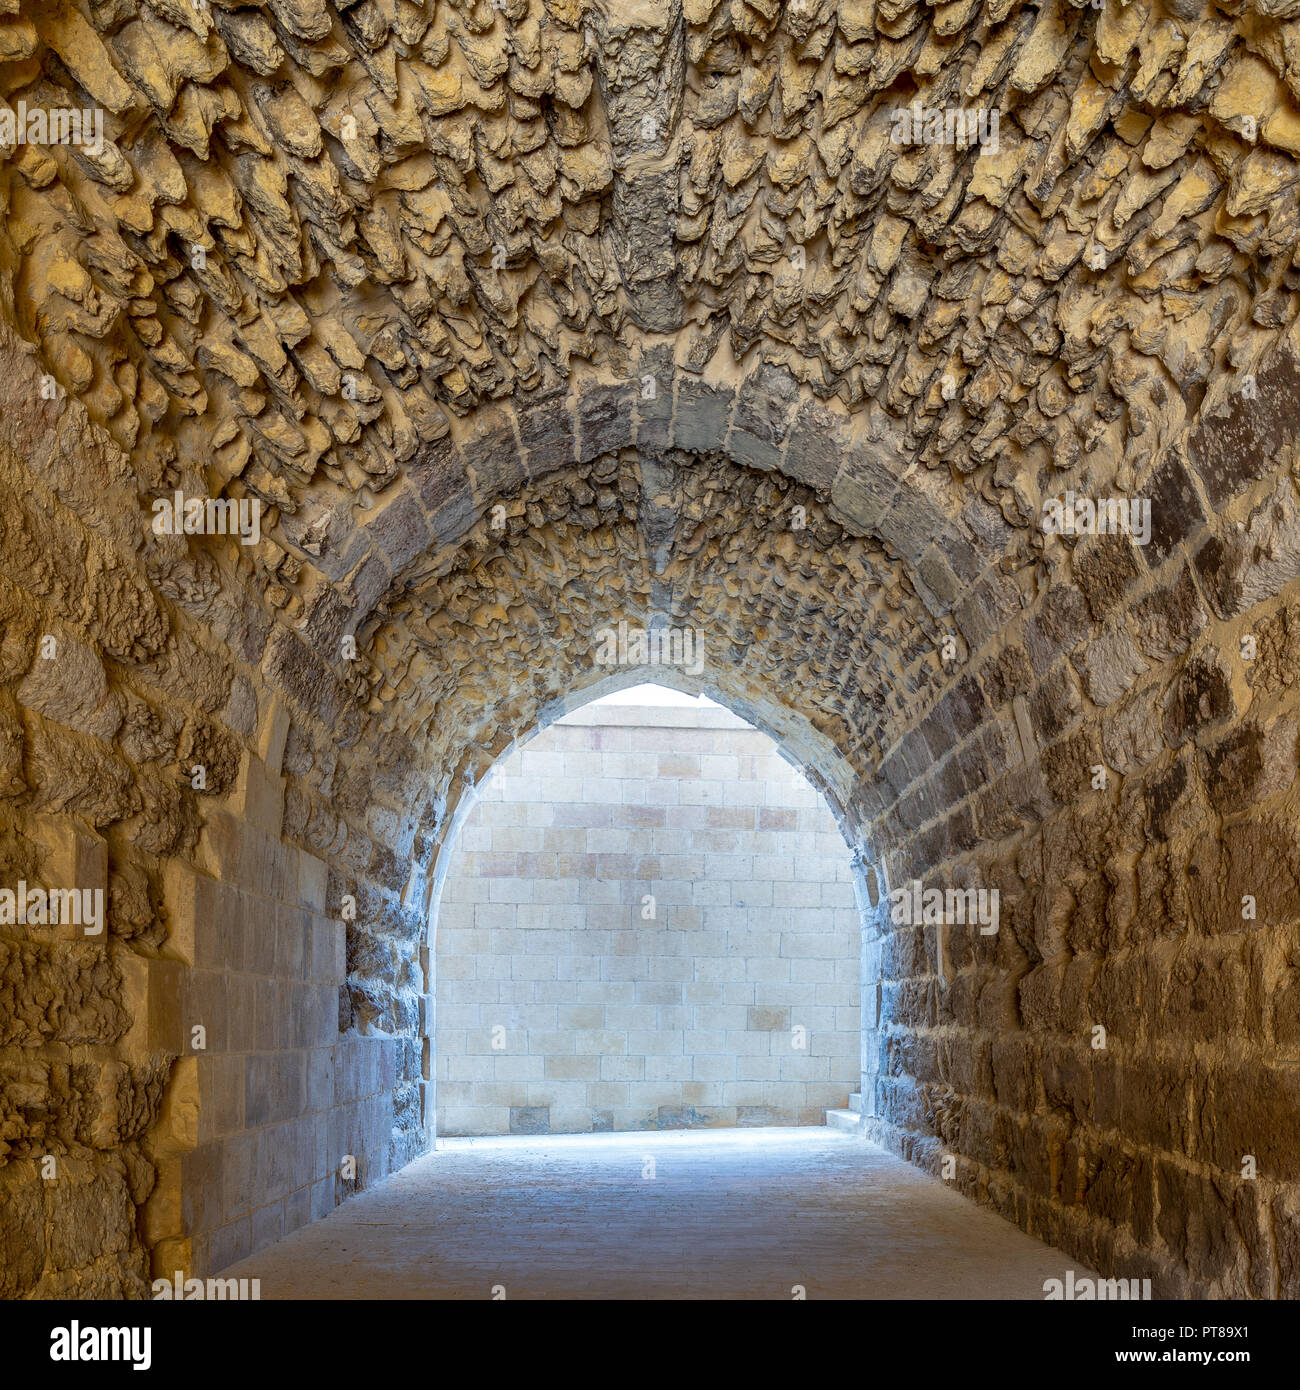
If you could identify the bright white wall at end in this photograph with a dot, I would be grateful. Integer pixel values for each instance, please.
(649, 694)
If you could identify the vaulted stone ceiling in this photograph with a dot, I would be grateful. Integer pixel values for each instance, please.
(322, 246)
(512, 619)
(316, 237)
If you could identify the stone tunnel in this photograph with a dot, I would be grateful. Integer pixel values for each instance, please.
(935, 364)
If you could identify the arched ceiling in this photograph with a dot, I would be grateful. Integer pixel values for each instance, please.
(316, 233)
(387, 266)
(786, 610)
(524, 317)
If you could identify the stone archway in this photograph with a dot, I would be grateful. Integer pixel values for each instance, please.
(540, 540)
(748, 927)
(832, 770)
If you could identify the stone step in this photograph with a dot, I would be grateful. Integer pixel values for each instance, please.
(843, 1119)
(855, 1102)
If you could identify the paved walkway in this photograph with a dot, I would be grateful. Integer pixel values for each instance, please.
(736, 1213)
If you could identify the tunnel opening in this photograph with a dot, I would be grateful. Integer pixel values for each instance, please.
(649, 922)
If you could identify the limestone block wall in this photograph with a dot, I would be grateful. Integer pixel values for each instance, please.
(612, 1020)
(292, 1116)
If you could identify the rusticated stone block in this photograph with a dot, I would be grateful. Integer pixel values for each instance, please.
(1104, 570)
(303, 676)
(912, 520)
(935, 575)
(1250, 764)
(1245, 567)
(1056, 704)
(437, 473)
(1195, 1219)
(1131, 732)
(1242, 440)
(817, 445)
(23, 1233)
(397, 528)
(90, 1212)
(546, 432)
(1109, 666)
(1006, 675)
(655, 380)
(702, 414)
(492, 457)
(1176, 510)
(71, 688)
(1169, 619)
(86, 982)
(1059, 625)
(1249, 1112)
(765, 404)
(605, 418)
(1200, 698)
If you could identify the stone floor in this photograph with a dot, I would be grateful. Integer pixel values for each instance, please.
(738, 1213)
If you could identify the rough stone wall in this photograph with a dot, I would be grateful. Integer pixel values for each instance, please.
(1122, 766)
(724, 295)
(611, 1019)
(130, 1145)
